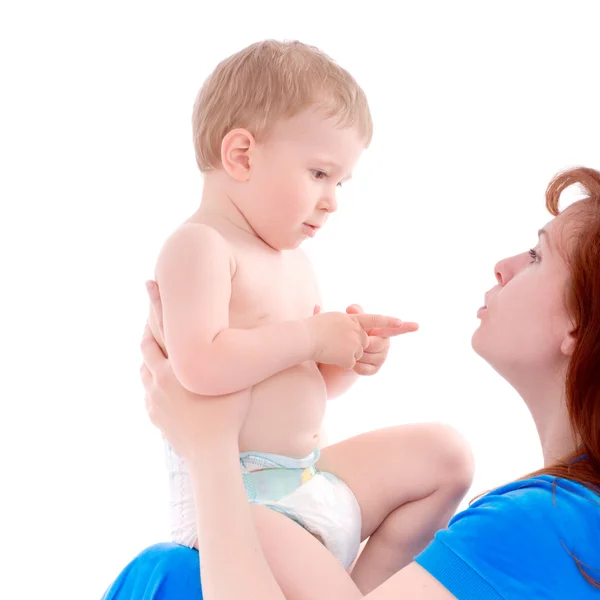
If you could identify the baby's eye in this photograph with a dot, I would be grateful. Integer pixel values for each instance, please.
(319, 174)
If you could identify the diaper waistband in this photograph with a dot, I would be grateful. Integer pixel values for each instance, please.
(250, 462)
(271, 477)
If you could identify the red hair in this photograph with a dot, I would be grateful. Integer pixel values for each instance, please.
(582, 385)
(583, 303)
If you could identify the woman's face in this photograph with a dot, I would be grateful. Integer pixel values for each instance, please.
(525, 329)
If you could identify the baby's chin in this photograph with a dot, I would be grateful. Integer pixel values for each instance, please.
(280, 246)
(477, 342)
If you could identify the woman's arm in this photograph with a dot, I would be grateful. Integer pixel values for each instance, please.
(233, 564)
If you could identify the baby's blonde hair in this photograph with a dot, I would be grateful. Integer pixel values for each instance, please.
(268, 81)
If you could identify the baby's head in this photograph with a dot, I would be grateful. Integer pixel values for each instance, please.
(281, 125)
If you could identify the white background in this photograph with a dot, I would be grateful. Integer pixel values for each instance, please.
(476, 106)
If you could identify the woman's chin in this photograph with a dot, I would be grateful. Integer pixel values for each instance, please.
(486, 349)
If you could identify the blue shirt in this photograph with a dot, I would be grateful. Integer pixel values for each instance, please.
(161, 572)
(512, 543)
(518, 542)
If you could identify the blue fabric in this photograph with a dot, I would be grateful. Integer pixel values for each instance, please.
(516, 542)
(161, 572)
(519, 542)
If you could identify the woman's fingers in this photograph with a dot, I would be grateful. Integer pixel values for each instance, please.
(153, 355)
(145, 376)
(150, 410)
(156, 303)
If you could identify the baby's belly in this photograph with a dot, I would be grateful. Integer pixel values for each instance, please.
(287, 413)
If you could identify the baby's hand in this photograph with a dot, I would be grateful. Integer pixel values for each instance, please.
(337, 339)
(376, 352)
(341, 339)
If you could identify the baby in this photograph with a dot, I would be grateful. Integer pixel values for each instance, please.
(278, 127)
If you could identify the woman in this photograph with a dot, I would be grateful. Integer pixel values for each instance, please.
(538, 537)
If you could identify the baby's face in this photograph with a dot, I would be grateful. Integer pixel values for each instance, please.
(295, 174)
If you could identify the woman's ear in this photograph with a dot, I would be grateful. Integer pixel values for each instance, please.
(567, 346)
(237, 148)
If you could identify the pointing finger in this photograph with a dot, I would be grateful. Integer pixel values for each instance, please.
(387, 332)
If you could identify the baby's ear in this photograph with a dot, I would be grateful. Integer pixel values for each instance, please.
(236, 150)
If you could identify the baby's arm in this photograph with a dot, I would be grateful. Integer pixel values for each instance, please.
(208, 357)
(337, 380)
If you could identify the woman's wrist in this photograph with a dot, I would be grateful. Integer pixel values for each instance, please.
(213, 448)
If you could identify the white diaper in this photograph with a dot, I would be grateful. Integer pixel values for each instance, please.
(181, 500)
(320, 502)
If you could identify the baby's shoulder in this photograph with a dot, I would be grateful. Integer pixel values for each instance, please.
(198, 239)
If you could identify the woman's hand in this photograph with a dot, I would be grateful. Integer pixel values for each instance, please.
(189, 422)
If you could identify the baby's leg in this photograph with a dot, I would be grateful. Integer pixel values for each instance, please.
(302, 566)
(408, 481)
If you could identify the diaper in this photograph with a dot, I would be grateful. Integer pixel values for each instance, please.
(319, 502)
(181, 500)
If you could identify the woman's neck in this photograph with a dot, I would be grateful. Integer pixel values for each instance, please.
(546, 400)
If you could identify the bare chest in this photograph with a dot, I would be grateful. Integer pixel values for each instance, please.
(271, 287)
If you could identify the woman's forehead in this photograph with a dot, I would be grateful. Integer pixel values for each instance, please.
(564, 228)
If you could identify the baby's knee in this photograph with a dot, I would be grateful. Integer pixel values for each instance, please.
(454, 458)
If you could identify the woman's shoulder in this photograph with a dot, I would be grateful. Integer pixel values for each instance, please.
(539, 530)
(542, 504)
(542, 493)
(539, 487)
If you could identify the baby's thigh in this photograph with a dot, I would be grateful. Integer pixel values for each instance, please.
(389, 467)
(302, 566)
